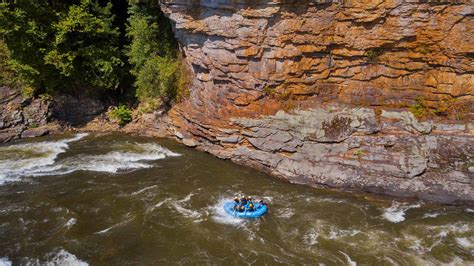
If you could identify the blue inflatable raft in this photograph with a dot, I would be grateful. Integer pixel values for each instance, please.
(259, 210)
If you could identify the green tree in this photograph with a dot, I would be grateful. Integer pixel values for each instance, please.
(26, 32)
(152, 52)
(85, 48)
(55, 45)
(158, 78)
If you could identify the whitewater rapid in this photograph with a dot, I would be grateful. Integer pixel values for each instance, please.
(41, 158)
(111, 211)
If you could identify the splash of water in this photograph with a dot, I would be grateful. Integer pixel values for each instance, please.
(219, 215)
(40, 159)
(396, 212)
(350, 262)
(31, 158)
(62, 257)
(5, 262)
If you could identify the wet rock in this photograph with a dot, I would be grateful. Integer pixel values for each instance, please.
(8, 136)
(179, 135)
(471, 169)
(34, 132)
(189, 142)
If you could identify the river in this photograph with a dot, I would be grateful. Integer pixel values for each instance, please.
(103, 199)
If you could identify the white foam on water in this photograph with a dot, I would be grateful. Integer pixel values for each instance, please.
(64, 258)
(466, 243)
(39, 159)
(185, 212)
(32, 158)
(143, 190)
(431, 215)
(350, 262)
(456, 228)
(330, 199)
(5, 262)
(267, 199)
(438, 235)
(159, 204)
(115, 161)
(311, 237)
(187, 198)
(396, 212)
(335, 233)
(70, 223)
(219, 215)
(456, 261)
(128, 218)
(286, 212)
(418, 247)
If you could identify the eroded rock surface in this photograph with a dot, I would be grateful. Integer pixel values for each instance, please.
(316, 91)
(22, 117)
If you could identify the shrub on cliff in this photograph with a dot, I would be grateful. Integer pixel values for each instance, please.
(121, 114)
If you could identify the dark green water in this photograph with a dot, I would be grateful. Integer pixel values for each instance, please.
(121, 200)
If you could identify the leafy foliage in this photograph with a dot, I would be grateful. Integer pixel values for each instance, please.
(157, 78)
(150, 34)
(25, 30)
(59, 44)
(85, 46)
(121, 114)
(153, 55)
(419, 109)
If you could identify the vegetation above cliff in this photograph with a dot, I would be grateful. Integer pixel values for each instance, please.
(125, 48)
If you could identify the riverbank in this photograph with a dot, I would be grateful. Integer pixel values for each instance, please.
(364, 153)
(382, 151)
(335, 147)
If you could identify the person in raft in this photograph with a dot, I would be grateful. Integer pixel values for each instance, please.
(243, 201)
(250, 207)
(246, 203)
(238, 206)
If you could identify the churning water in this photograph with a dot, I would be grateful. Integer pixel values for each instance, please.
(116, 199)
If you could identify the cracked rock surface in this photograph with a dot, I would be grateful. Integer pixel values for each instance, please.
(316, 92)
(20, 117)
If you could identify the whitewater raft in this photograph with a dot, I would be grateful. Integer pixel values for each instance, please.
(259, 210)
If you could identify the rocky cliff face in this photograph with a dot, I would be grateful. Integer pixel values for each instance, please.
(318, 92)
(22, 117)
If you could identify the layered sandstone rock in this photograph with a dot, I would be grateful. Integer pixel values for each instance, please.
(343, 71)
(20, 117)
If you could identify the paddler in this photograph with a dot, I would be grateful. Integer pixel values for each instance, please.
(251, 207)
(236, 201)
(243, 201)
